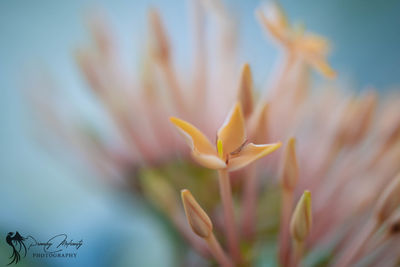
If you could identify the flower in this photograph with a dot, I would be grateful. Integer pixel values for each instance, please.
(232, 151)
(309, 47)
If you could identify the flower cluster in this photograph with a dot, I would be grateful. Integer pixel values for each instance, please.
(339, 147)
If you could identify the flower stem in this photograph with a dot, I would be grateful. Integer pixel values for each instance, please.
(249, 203)
(229, 217)
(284, 245)
(298, 250)
(196, 242)
(282, 72)
(358, 244)
(218, 253)
(174, 86)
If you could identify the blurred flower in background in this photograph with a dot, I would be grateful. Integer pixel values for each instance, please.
(340, 146)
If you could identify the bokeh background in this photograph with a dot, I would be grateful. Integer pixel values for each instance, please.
(42, 195)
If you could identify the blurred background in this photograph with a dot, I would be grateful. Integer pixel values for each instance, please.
(42, 195)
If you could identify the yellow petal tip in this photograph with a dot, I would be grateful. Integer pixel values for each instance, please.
(174, 120)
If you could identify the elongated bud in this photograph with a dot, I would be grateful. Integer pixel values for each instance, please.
(159, 41)
(159, 191)
(258, 124)
(102, 34)
(290, 170)
(245, 94)
(301, 222)
(196, 216)
(86, 64)
(389, 201)
(366, 112)
(357, 118)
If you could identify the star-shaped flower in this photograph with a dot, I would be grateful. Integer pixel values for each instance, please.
(310, 47)
(232, 151)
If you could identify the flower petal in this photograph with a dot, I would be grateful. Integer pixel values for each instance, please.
(194, 137)
(250, 153)
(274, 20)
(321, 65)
(314, 50)
(314, 44)
(277, 14)
(208, 161)
(275, 31)
(232, 132)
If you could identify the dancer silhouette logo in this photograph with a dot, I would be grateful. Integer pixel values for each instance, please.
(58, 246)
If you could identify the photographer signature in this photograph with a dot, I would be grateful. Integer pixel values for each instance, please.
(55, 244)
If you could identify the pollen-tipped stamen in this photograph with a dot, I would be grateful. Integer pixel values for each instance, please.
(220, 149)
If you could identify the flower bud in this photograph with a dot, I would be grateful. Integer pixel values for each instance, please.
(159, 191)
(196, 216)
(159, 41)
(245, 95)
(301, 222)
(290, 170)
(258, 124)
